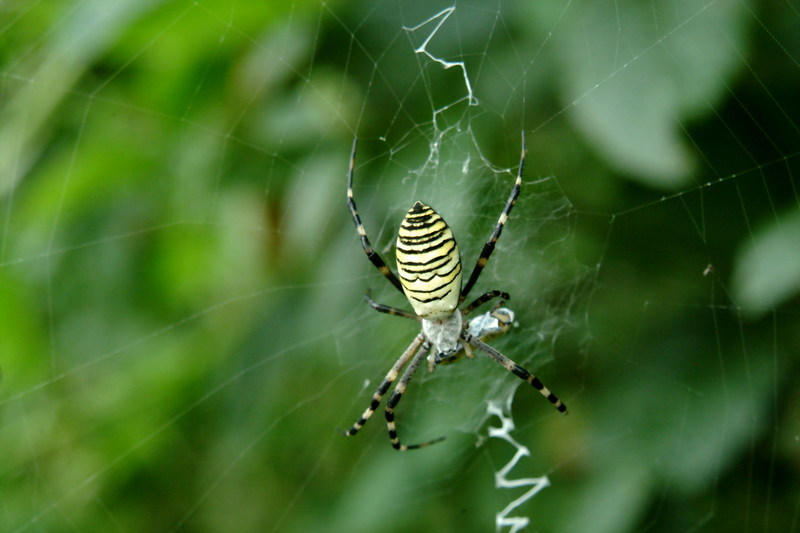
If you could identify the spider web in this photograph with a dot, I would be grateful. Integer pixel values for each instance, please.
(182, 329)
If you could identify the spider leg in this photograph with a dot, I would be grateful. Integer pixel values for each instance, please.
(488, 248)
(517, 370)
(397, 394)
(482, 299)
(384, 386)
(389, 310)
(468, 351)
(373, 256)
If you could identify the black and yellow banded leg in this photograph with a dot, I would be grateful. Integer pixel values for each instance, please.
(381, 308)
(385, 384)
(373, 256)
(488, 248)
(397, 395)
(517, 370)
(486, 297)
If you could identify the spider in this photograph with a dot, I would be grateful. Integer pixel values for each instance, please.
(429, 275)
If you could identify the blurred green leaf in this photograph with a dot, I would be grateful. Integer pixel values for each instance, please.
(767, 267)
(632, 76)
(182, 324)
(47, 75)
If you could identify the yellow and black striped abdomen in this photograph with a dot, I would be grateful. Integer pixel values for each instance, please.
(428, 263)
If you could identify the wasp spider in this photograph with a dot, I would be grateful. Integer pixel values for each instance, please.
(429, 274)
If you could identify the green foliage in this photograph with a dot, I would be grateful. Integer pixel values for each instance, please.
(673, 56)
(181, 324)
(768, 266)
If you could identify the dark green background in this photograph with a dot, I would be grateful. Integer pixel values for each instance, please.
(181, 323)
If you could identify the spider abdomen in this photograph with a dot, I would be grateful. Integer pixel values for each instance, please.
(428, 263)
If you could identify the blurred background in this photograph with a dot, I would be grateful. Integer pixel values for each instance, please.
(182, 325)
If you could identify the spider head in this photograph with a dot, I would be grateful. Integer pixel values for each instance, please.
(443, 333)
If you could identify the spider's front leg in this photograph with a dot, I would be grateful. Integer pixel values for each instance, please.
(517, 370)
(384, 386)
(397, 395)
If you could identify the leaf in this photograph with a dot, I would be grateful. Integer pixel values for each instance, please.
(767, 268)
(630, 81)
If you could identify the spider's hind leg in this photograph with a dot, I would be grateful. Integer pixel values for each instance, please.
(486, 297)
(381, 308)
(374, 257)
(488, 248)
